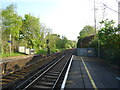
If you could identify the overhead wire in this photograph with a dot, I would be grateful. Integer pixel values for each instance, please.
(117, 1)
(107, 6)
(111, 8)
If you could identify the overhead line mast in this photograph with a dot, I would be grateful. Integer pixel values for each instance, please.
(95, 16)
(96, 28)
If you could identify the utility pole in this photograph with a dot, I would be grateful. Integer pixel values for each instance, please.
(95, 16)
(118, 15)
(96, 28)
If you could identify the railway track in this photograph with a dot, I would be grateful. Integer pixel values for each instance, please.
(16, 77)
(20, 78)
(51, 76)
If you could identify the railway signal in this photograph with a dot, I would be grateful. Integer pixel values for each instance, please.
(48, 49)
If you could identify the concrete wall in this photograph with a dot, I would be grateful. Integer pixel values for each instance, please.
(89, 52)
(13, 65)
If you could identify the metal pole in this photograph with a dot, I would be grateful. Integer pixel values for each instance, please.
(98, 48)
(95, 28)
(95, 16)
(10, 43)
(48, 49)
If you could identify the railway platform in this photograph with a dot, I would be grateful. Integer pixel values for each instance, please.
(85, 73)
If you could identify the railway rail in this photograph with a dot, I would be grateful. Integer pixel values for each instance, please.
(20, 78)
(23, 72)
(51, 76)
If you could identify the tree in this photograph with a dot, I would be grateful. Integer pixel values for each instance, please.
(57, 43)
(11, 25)
(85, 35)
(28, 31)
(87, 31)
(108, 35)
(108, 38)
(44, 32)
(54, 38)
(31, 31)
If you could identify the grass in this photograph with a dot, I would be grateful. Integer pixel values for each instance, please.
(44, 51)
(9, 55)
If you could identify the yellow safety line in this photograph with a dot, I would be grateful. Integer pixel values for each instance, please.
(90, 77)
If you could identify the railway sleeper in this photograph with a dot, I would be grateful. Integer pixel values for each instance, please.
(17, 75)
(55, 71)
(48, 76)
(52, 74)
(43, 83)
(20, 73)
(2, 83)
(47, 80)
(6, 80)
(42, 87)
(46, 84)
(9, 77)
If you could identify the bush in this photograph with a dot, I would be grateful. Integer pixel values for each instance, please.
(42, 51)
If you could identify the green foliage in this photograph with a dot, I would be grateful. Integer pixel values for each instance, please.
(87, 31)
(12, 54)
(107, 40)
(55, 50)
(57, 43)
(53, 38)
(108, 36)
(29, 32)
(42, 51)
(11, 25)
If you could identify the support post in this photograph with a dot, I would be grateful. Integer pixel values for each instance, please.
(10, 44)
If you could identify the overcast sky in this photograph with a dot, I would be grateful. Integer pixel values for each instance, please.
(66, 17)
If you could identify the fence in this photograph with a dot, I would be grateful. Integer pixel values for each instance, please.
(109, 55)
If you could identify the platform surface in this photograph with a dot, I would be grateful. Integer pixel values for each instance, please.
(102, 75)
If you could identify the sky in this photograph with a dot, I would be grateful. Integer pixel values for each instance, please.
(66, 17)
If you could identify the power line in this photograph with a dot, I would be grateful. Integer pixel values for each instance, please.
(111, 8)
(107, 6)
(117, 1)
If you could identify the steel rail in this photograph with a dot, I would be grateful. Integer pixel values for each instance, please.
(6, 85)
(60, 65)
(61, 72)
(66, 75)
(44, 72)
(33, 76)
